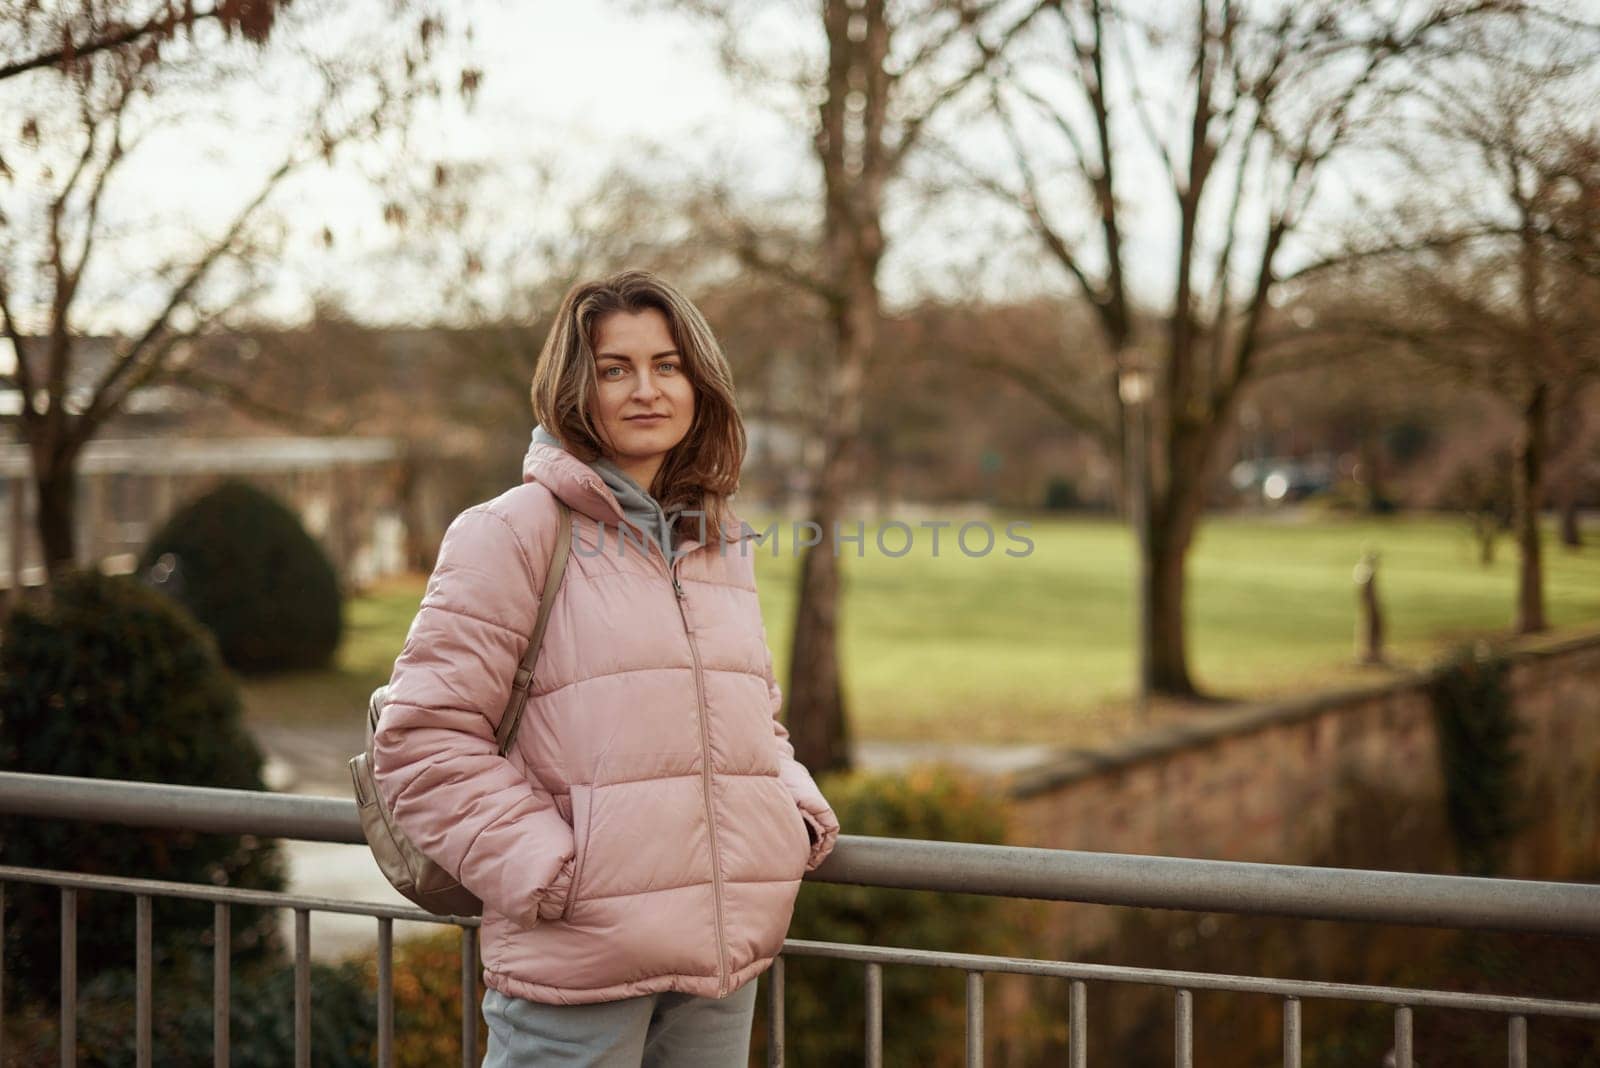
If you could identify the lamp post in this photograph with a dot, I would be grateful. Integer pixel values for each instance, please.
(1134, 389)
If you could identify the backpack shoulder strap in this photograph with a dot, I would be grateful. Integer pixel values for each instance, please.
(511, 719)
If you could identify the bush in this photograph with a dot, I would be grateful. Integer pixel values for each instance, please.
(1061, 495)
(108, 679)
(242, 563)
(427, 1000)
(1476, 718)
(825, 999)
(1349, 497)
(260, 1028)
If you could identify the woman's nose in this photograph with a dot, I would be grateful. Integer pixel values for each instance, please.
(645, 386)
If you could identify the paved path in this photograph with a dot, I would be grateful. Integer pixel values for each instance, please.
(313, 760)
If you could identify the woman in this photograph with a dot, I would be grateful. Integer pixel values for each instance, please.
(639, 848)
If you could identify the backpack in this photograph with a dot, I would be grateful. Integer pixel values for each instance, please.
(402, 863)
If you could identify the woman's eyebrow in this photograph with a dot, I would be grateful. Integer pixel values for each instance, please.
(622, 356)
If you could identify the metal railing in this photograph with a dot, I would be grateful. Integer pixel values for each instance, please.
(1338, 894)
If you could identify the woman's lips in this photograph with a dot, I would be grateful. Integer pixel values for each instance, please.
(643, 418)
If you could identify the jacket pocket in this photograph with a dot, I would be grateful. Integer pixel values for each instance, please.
(582, 805)
(806, 841)
(799, 837)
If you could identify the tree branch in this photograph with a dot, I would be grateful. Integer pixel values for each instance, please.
(1059, 401)
(1432, 243)
(966, 18)
(242, 399)
(24, 373)
(747, 245)
(987, 55)
(1032, 203)
(1142, 111)
(71, 276)
(164, 25)
(59, 345)
(103, 400)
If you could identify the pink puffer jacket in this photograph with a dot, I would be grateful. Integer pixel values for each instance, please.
(648, 830)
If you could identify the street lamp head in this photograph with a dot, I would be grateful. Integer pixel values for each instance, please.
(1133, 383)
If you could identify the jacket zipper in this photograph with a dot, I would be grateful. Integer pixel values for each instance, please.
(705, 772)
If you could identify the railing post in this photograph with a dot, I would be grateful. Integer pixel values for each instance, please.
(775, 1014)
(874, 1016)
(141, 971)
(1078, 1024)
(69, 978)
(1183, 1030)
(469, 999)
(1517, 1042)
(974, 1020)
(221, 974)
(302, 988)
(2, 973)
(1402, 1037)
(385, 992)
(1291, 1033)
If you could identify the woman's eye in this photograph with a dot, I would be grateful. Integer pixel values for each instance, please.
(671, 367)
(607, 372)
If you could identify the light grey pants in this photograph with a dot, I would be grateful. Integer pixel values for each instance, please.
(656, 1031)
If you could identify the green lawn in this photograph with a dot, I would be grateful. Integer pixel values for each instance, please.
(1037, 648)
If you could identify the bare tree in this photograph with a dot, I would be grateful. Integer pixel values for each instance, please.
(1512, 313)
(1572, 462)
(1567, 201)
(886, 73)
(1260, 100)
(83, 134)
(1568, 191)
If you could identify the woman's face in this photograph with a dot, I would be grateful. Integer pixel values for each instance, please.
(643, 399)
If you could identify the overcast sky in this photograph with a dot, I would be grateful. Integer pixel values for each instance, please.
(581, 86)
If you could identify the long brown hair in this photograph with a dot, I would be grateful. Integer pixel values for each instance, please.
(702, 470)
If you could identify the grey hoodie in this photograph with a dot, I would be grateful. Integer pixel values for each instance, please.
(638, 507)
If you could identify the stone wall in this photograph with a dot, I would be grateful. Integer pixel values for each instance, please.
(1345, 779)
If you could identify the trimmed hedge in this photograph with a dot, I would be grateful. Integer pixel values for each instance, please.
(240, 561)
(108, 679)
(344, 1020)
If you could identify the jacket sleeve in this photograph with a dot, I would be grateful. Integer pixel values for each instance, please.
(435, 760)
(814, 808)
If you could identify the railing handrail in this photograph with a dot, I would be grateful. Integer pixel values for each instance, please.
(1340, 894)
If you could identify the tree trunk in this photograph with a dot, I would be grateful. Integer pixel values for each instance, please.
(1169, 659)
(1571, 531)
(1564, 475)
(818, 720)
(1174, 517)
(856, 162)
(1527, 498)
(1372, 468)
(56, 481)
(1486, 528)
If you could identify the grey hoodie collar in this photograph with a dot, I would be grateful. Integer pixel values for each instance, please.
(638, 507)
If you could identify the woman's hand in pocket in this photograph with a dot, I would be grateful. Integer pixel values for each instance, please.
(821, 831)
